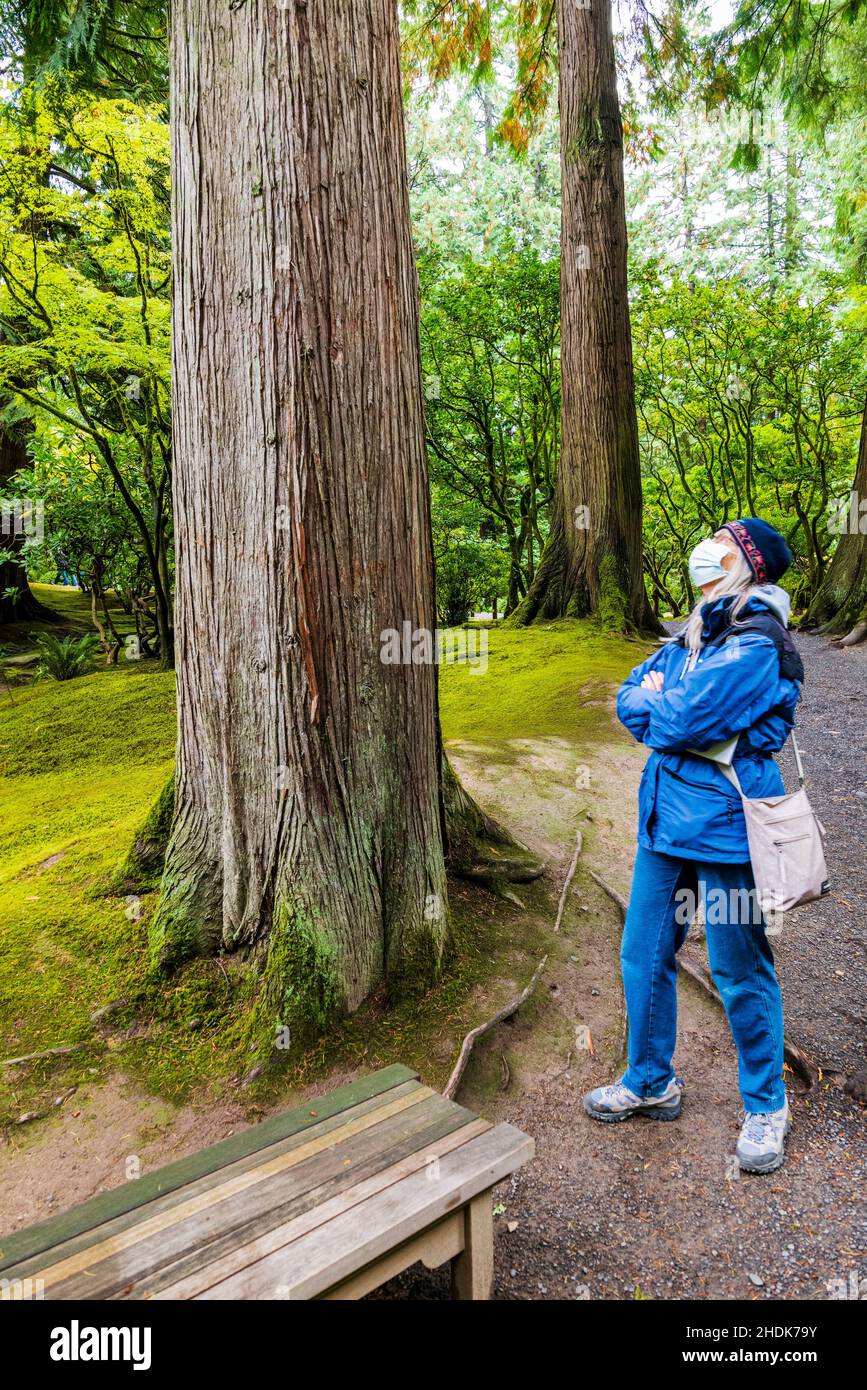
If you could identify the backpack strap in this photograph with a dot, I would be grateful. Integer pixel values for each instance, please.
(791, 665)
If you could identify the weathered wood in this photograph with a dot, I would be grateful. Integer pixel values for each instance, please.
(237, 1259)
(473, 1269)
(370, 1156)
(305, 1268)
(433, 1247)
(347, 1196)
(22, 1245)
(159, 1232)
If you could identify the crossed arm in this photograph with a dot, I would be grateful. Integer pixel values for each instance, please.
(728, 691)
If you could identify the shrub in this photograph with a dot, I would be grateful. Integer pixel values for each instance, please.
(66, 657)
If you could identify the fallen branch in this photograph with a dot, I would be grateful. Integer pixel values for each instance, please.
(471, 1039)
(612, 893)
(569, 877)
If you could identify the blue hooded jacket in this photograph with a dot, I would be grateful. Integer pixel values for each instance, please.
(686, 807)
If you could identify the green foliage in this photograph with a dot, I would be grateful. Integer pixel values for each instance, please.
(64, 658)
(85, 318)
(115, 47)
(749, 404)
(490, 355)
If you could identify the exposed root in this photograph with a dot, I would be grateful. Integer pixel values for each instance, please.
(855, 635)
(569, 877)
(470, 1040)
(479, 848)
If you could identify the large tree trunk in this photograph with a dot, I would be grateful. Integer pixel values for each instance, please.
(840, 604)
(308, 818)
(592, 559)
(18, 603)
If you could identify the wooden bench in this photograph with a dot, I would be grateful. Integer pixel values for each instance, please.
(325, 1201)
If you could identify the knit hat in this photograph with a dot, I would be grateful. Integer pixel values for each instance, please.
(766, 551)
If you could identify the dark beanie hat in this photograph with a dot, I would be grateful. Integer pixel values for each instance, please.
(767, 554)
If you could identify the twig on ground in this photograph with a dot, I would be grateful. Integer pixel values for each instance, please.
(569, 877)
(470, 1040)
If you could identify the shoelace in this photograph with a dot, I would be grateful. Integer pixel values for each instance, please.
(758, 1128)
(618, 1092)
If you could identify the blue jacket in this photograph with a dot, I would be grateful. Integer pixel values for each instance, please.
(686, 807)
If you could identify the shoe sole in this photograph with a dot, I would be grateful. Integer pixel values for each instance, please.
(652, 1112)
(775, 1163)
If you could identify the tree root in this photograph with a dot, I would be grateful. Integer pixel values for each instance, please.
(569, 877)
(855, 635)
(470, 1040)
(478, 848)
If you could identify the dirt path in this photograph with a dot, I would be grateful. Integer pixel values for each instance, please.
(823, 952)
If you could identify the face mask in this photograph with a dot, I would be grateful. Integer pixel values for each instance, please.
(705, 563)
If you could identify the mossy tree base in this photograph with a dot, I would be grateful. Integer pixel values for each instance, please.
(586, 578)
(479, 849)
(840, 604)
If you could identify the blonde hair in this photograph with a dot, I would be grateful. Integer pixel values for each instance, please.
(739, 580)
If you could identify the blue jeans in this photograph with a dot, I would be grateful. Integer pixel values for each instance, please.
(664, 892)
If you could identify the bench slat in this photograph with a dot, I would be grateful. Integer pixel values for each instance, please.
(338, 1248)
(112, 1258)
(240, 1256)
(383, 1152)
(35, 1240)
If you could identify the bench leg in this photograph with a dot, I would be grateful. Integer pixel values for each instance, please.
(473, 1268)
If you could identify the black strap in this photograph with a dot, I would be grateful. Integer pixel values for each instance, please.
(791, 665)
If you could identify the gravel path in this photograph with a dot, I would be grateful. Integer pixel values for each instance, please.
(822, 950)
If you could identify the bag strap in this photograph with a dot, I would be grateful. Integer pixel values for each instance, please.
(731, 776)
(798, 764)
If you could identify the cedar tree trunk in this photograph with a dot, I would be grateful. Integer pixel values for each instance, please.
(840, 605)
(308, 812)
(592, 559)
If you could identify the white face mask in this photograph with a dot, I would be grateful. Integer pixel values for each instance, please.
(705, 563)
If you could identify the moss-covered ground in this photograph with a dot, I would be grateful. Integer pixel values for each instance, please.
(83, 762)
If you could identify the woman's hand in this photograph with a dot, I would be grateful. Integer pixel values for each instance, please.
(652, 680)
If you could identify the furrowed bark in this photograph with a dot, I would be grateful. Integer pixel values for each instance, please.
(592, 561)
(308, 811)
(840, 604)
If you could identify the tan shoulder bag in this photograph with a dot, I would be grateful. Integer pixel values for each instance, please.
(787, 848)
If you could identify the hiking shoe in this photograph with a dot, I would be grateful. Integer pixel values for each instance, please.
(760, 1147)
(617, 1102)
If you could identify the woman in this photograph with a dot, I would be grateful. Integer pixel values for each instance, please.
(732, 672)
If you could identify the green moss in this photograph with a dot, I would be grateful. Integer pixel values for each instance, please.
(141, 869)
(613, 607)
(416, 970)
(87, 765)
(533, 682)
(301, 988)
